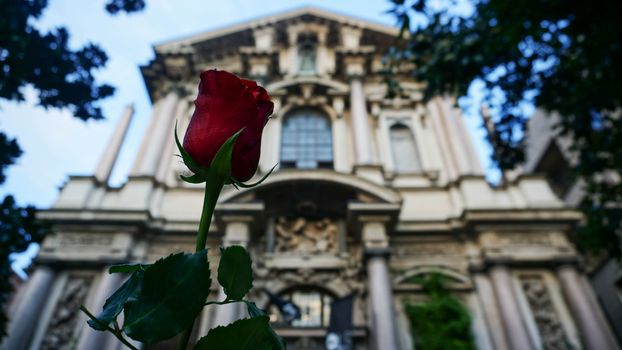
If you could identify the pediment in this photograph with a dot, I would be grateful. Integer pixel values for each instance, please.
(242, 32)
(232, 48)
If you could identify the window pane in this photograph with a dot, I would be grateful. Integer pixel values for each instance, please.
(314, 308)
(307, 139)
(403, 149)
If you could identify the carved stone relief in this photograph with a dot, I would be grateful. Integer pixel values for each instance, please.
(301, 235)
(546, 318)
(61, 330)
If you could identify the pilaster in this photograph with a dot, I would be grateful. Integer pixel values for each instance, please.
(111, 153)
(595, 332)
(154, 142)
(515, 327)
(24, 321)
(360, 122)
(489, 302)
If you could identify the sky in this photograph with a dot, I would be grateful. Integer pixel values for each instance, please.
(56, 145)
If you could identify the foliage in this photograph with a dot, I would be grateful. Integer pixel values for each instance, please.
(563, 56)
(62, 77)
(442, 322)
(9, 152)
(129, 6)
(18, 229)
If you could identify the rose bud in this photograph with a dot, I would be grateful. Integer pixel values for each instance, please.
(224, 106)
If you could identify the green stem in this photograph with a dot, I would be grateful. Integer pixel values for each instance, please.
(224, 302)
(116, 331)
(122, 339)
(213, 186)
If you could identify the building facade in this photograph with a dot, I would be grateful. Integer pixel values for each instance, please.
(369, 195)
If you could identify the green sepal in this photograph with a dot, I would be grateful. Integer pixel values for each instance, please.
(221, 164)
(194, 178)
(235, 272)
(190, 163)
(127, 268)
(173, 292)
(245, 334)
(243, 185)
(115, 303)
(253, 309)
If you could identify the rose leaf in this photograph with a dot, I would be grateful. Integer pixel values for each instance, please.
(246, 334)
(115, 303)
(173, 293)
(235, 273)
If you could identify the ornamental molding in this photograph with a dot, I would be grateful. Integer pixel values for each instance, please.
(457, 279)
(424, 249)
(373, 191)
(334, 87)
(520, 241)
(91, 246)
(526, 247)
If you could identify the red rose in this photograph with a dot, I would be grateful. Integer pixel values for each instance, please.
(225, 105)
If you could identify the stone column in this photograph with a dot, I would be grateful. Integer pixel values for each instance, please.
(341, 141)
(271, 140)
(155, 139)
(466, 159)
(595, 332)
(360, 123)
(382, 316)
(170, 149)
(90, 338)
(109, 158)
(597, 306)
(237, 232)
(24, 321)
(515, 328)
(489, 302)
(448, 158)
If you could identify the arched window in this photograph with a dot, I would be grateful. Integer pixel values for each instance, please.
(314, 305)
(306, 140)
(307, 43)
(403, 149)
